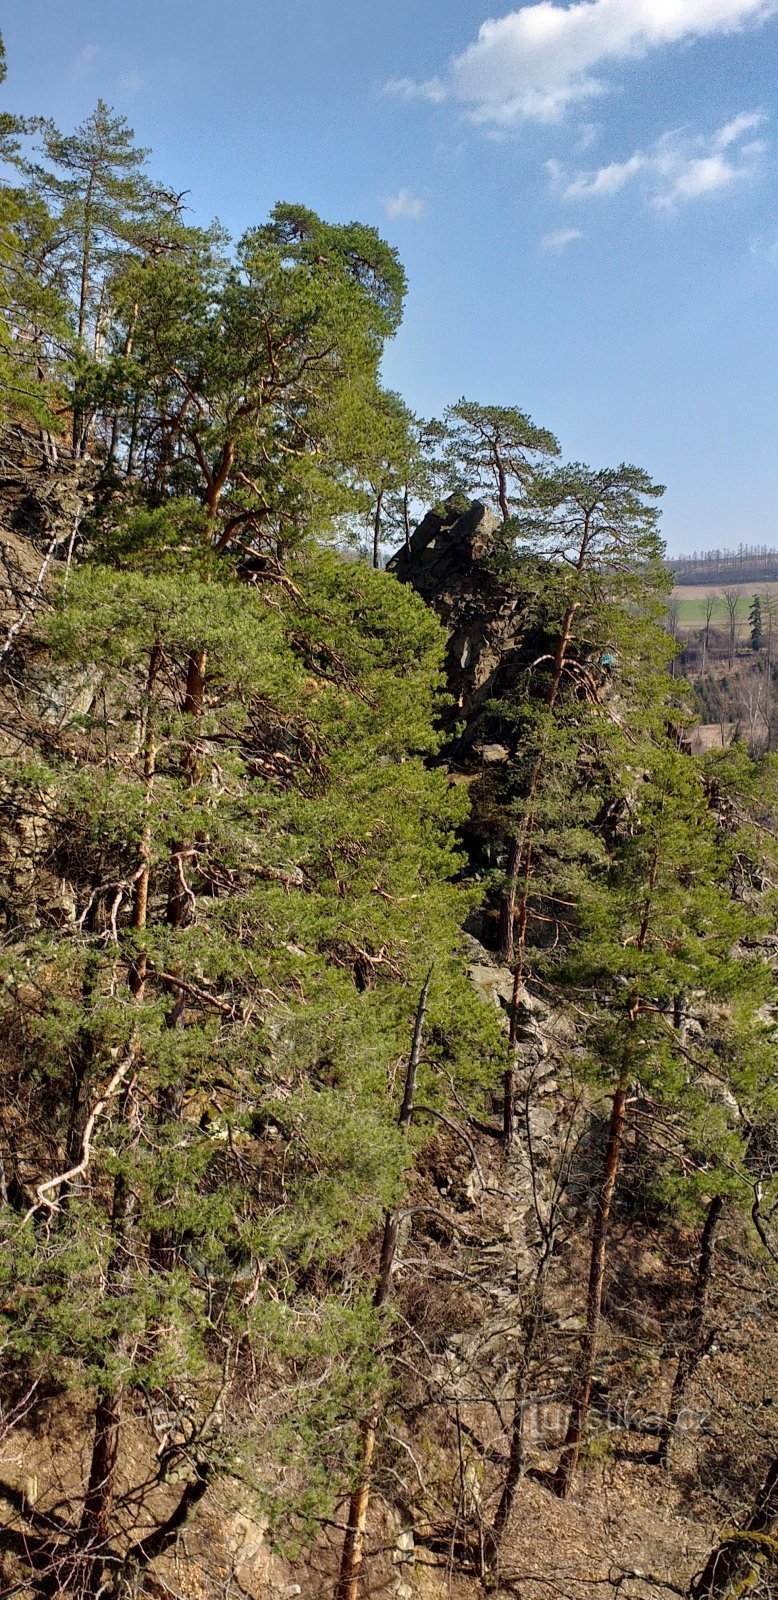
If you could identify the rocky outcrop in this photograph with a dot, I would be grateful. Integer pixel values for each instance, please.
(43, 499)
(451, 561)
(450, 564)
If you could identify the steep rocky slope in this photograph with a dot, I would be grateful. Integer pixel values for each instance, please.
(475, 1232)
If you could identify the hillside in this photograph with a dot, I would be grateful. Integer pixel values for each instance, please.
(388, 1013)
(725, 640)
(473, 1237)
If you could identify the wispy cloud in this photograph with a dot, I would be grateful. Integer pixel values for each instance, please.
(83, 61)
(405, 205)
(556, 242)
(765, 250)
(132, 82)
(678, 168)
(538, 61)
(409, 89)
(588, 134)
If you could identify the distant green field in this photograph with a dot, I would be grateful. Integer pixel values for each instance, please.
(692, 613)
(693, 601)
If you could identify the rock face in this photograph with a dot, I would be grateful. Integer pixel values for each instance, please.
(450, 563)
(42, 500)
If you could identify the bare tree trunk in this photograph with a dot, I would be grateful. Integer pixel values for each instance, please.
(693, 1347)
(568, 1460)
(141, 900)
(78, 435)
(163, 1248)
(509, 1076)
(508, 901)
(407, 519)
(517, 1452)
(377, 529)
(95, 1525)
(133, 442)
(347, 1586)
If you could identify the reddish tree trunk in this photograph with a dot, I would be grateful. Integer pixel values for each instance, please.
(347, 1586)
(568, 1460)
(95, 1526)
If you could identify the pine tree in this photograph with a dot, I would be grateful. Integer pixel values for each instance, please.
(495, 450)
(755, 623)
(95, 177)
(591, 543)
(33, 316)
(315, 877)
(661, 921)
(251, 376)
(597, 533)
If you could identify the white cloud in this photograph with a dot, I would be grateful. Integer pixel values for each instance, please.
(606, 180)
(677, 168)
(83, 62)
(746, 122)
(539, 60)
(132, 82)
(559, 240)
(405, 205)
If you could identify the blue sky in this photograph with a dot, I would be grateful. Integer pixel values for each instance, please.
(585, 196)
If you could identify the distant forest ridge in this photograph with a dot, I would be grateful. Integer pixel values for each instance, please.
(750, 563)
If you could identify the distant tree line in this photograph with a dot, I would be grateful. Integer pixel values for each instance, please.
(750, 563)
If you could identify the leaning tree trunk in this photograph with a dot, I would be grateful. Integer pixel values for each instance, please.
(737, 1562)
(517, 1452)
(95, 1526)
(378, 528)
(693, 1347)
(163, 1246)
(509, 1075)
(508, 901)
(82, 1066)
(347, 1587)
(568, 1460)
